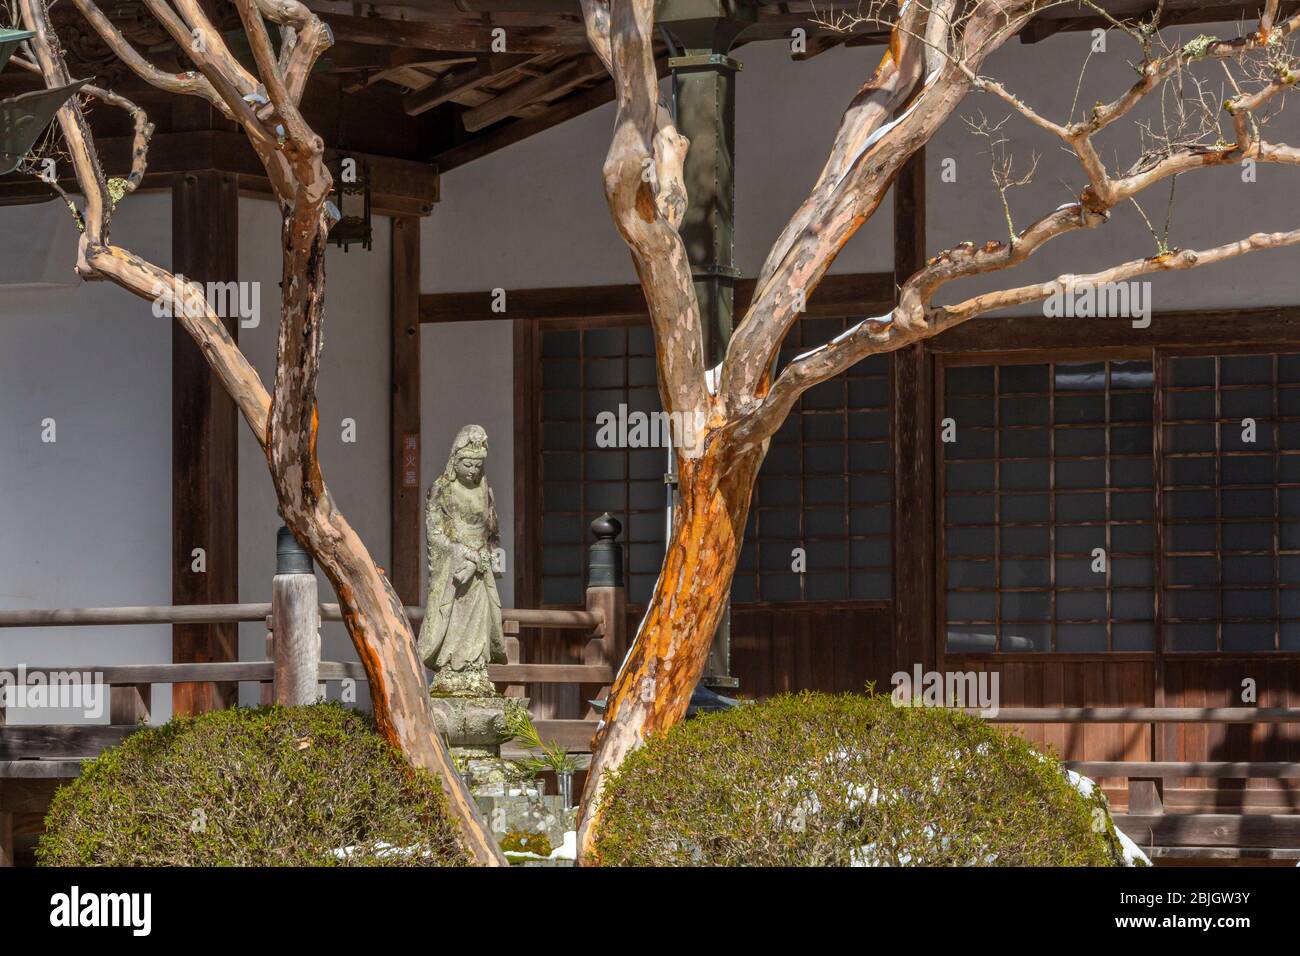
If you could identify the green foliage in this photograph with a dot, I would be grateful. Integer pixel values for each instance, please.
(517, 841)
(552, 757)
(268, 786)
(817, 780)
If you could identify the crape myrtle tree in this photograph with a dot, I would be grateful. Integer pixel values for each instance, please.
(265, 104)
(934, 59)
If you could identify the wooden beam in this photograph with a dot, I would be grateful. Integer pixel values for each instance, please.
(551, 673)
(205, 472)
(574, 735)
(1263, 326)
(456, 82)
(573, 74)
(39, 741)
(403, 186)
(404, 568)
(915, 640)
(1206, 769)
(454, 37)
(1077, 17)
(572, 105)
(1212, 829)
(838, 295)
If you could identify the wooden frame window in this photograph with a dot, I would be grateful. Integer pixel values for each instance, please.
(1048, 505)
(825, 486)
(1180, 468)
(584, 372)
(1230, 471)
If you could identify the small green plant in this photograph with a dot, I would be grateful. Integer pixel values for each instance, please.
(551, 756)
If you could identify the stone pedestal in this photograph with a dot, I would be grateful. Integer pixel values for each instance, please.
(475, 727)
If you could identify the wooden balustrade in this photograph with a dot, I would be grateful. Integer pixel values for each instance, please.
(34, 759)
(1165, 835)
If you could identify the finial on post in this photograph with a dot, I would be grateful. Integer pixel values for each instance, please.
(605, 556)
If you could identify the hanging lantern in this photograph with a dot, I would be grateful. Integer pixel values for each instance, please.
(352, 201)
(23, 118)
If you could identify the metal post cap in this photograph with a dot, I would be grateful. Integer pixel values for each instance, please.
(290, 556)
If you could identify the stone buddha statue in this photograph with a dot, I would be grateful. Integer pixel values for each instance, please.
(462, 631)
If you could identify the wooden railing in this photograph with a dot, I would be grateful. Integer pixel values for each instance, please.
(34, 758)
(1184, 835)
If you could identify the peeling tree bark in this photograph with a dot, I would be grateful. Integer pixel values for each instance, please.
(655, 683)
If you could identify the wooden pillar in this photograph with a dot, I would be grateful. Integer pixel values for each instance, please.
(6, 818)
(407, 521)
(205, 474)
(915, 633)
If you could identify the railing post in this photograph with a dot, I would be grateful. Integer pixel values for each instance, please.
(295, 623)
(1144, 796)
(607, 597)
(130, 704)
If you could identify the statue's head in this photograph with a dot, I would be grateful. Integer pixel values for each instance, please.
(468, 456)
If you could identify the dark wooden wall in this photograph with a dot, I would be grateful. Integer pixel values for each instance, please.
(793, 647)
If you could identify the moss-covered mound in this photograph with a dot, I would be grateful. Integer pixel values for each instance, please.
(816, 780)
(270, 786)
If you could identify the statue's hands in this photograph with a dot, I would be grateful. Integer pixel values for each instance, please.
(466, 565)
(463, 574)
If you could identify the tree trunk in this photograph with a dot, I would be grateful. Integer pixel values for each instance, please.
(372, 611)
(654, 685)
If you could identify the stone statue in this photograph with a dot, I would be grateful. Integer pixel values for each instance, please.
(462, 631)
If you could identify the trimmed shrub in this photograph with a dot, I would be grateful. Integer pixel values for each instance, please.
(838, 780)
(267, 786)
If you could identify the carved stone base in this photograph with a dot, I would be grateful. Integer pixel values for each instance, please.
(475, 728)
(474, 683)
(475, 721)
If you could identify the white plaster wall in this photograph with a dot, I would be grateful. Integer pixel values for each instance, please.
(85, 521)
